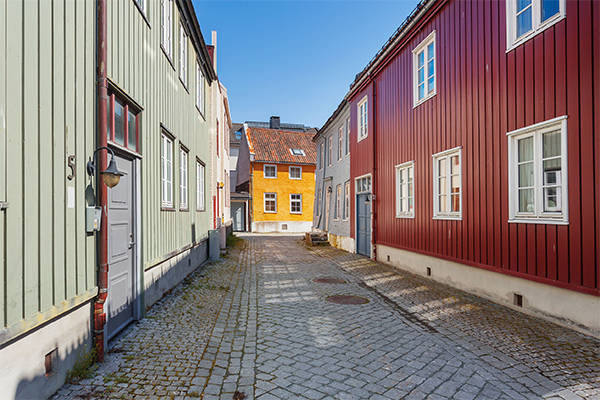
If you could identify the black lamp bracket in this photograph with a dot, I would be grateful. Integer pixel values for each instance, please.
(91, 167)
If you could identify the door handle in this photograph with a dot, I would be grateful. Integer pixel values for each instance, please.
(131, 242)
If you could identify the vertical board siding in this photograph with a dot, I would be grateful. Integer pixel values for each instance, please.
(140, 68)
(46, 114)
(483, 92)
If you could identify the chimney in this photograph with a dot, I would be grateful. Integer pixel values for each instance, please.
(275, 123)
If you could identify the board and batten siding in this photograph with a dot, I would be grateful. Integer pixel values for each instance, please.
(139, 67)
(47, 113)
(483, 92)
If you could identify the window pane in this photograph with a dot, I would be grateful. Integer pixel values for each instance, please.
(403, 205)
(443, 203)
(455, 200)
(430, 52)
(421, 75)
(551, 144)
(552, 172)
(430, 68)
(455, 184)
(455, 165)
(410, 204)
(132, 132)
(522, 4)
(524, 22)
(410, 189)
(119, 123)
(421, 59)
(526, 200)
(443, 188)
(430, 84)
(526, 149)
(549, 8)
(421, 90)
(526, 175)
(442, 167)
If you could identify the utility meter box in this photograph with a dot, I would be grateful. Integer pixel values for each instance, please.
(93, 218)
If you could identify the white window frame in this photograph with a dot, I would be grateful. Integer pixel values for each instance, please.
(183, 178)
(338, 203)
(295, 168)
(265, 171)
(330, 151)
(448, 154)
(346, 214)
(400, 192)
(167, 179)
(302, 153)
(340, 142)
(200, 171)
(270, 199)
(292, 201)
(319, 200)
(166, 25)
(183, 58)
(347, 136)
(199, 88)
(422, 47)
(363, 118)
(322, 155)
(538, 216)
(537, 26)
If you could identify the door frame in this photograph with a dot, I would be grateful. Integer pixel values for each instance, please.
(136, 227)
(356, 193)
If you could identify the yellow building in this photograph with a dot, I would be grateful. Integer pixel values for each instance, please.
(280, 178)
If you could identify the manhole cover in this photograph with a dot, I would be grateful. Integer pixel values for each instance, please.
(329, 280)
(347, 300)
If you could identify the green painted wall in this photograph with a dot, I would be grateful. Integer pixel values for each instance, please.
(140, 68)
(47, 113)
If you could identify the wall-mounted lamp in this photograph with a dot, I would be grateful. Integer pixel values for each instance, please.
(328, 189)
(220, 185)
(369, 198)
(111, 176)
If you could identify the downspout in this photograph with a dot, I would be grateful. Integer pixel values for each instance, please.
(99, 314)
(374, 185)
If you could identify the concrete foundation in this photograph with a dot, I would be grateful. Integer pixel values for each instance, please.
(23, 361)
(342, 242)
(564, 307)
(282, 226)
(166, 275)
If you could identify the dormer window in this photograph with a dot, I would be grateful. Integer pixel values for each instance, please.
(297, 152)
(238, 135)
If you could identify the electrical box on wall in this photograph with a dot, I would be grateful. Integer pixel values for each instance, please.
(93, 218)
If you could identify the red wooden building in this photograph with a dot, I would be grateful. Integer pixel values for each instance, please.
(476, 143)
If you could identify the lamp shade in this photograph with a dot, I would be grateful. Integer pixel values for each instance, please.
(111, 176)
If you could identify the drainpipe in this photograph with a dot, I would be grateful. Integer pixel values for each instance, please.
(99, 314)
(374, 185)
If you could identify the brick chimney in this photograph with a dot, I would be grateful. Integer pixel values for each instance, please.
(275, 123)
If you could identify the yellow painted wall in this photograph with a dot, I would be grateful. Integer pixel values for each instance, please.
(283, 186)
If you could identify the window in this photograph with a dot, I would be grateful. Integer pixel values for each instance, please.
(183, 55)
(166, 25)
(319, 201)
(537, 167)
(363, 119)
(338, 201)
(346, 200)
(296, 203)
(295, 172)
(330, 152)
(123, 123)
(527, 18)
(424, 73)
(405, 190)
(297, 152)
(341, 142)
(141, 5)
(447, 193)
(199, 186)
(270, 171)
(167, 170)
(363, 185)
(238, 135)
(199, 88)
(321, 156)
(348, 136)
(270, 202)
(183, 178)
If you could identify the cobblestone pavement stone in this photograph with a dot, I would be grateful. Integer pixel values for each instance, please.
(258, 323)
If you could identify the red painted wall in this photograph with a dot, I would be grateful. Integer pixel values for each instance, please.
(482, 93)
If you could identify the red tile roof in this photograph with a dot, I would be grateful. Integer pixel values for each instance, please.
(272, 145)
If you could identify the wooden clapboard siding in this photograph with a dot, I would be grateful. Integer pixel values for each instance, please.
(139, 67)
(483, 92)
(47, 113)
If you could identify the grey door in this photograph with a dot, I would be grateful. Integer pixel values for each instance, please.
(120, 250)
(239, 216)
(363, 237)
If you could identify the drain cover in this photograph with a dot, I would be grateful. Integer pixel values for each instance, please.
(347, 300)
(329, 280)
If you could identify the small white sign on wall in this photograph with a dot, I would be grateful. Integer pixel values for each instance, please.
(70, 197)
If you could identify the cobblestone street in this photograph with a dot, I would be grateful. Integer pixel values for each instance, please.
(262, 321)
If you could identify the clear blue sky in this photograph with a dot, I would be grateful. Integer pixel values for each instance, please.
(295, 59)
